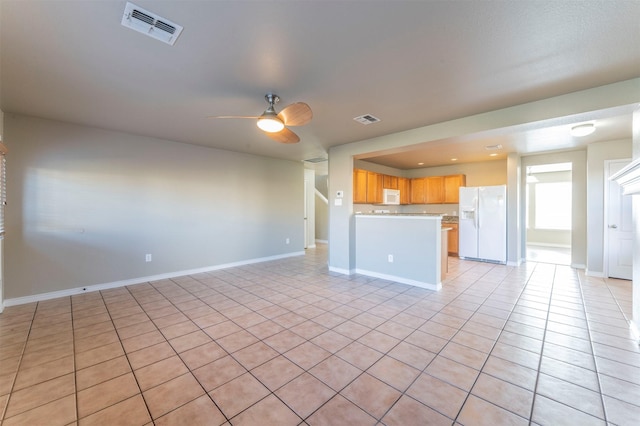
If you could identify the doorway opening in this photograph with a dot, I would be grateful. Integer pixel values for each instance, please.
(548, 213)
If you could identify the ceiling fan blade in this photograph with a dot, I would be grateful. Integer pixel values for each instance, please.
(284, 136)
(297, 114)
(233, 116)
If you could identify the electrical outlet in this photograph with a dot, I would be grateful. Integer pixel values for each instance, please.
(147, 258)
(286, 241)
(390, 258)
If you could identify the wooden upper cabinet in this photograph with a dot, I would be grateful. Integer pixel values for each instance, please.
(368, 186)
(434, 191)
(404, 185)
(374, 187)
(418, 191)
(359, 186)
(389, 182)
(452, 186)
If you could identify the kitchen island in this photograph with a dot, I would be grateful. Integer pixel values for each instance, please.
(401, 248)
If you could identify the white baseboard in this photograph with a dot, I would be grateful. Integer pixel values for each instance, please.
(578, 266)
(341, 270)
(322, 241)
(421, 284)
(549, 245)
(597, 274)
(96, 287)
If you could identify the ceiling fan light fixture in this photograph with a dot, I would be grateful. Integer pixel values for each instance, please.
(583, 129)
(269, 122)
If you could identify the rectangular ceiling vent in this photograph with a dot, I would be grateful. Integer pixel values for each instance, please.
(145, 22)
(493, 147)
(316, 160)
(367, 119)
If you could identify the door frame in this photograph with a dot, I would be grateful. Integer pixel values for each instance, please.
(605, 216)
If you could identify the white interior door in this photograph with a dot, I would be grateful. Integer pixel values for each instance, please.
(618, 227)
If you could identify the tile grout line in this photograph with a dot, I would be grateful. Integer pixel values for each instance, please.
(15, 377)
(115, 329)
(493, 346)
(544, 338)
(423, 371)
(177, 354)
(593, 352)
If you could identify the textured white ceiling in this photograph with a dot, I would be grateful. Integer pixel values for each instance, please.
(409, 63)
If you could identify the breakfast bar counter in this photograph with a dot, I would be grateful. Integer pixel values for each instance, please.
(401, 248)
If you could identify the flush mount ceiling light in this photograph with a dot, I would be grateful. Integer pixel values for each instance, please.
(583, 129)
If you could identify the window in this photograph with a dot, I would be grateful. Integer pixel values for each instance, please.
(553, 205)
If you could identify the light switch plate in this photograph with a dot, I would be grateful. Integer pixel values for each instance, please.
(337, 202)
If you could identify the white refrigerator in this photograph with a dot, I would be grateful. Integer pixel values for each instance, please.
(483, 223)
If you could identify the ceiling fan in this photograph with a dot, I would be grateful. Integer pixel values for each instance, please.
(275, 124)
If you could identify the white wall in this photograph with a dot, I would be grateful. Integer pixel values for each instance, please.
(597, 154)
(86, 205)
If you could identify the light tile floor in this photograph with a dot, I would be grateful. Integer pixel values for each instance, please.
(288, 343)
(547, 254)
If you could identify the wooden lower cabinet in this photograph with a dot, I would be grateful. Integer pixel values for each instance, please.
(452, 238)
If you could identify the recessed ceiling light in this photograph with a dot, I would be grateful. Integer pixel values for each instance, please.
(454, 159)
(583, 129)
(493, 154)
(420, 164)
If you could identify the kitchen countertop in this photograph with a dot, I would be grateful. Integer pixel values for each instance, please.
(445, 218)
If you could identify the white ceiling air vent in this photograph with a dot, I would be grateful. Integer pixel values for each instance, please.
(149, 23)
(367, 119)
(316, 160)
(493, 147)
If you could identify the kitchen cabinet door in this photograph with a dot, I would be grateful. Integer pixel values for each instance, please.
(404, 185)
(452, 238)
(434, 190)
(359, 186)
(374, 187)
(418, 191)
(389, 182)
(452, 186)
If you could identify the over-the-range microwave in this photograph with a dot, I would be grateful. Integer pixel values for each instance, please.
(391, 197)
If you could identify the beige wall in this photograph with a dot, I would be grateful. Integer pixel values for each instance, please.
(86, 205)
(597, 154)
